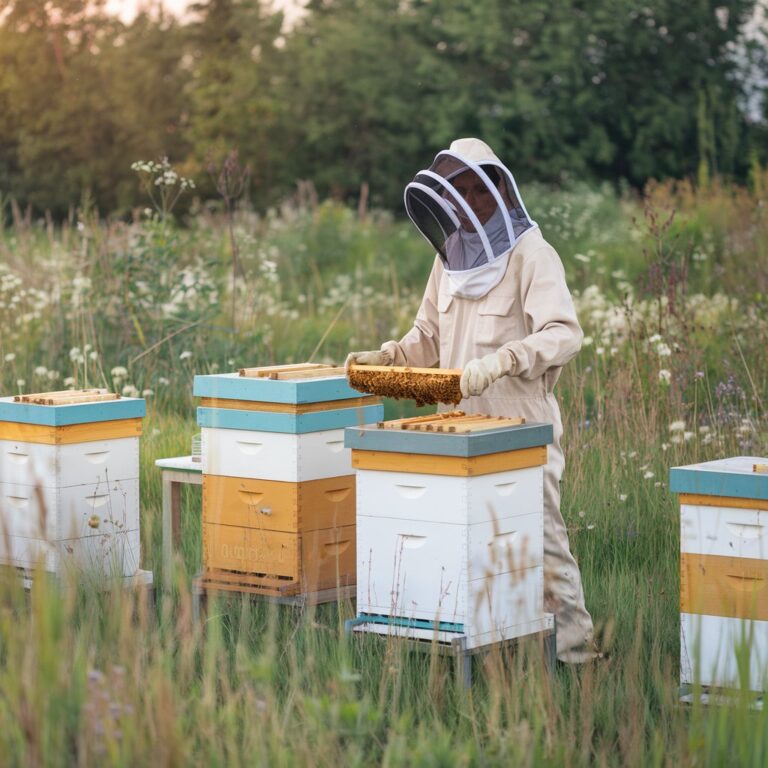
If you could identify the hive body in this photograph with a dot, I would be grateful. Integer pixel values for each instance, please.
(68, 501)
(723, 573)
(454, 554)
(278, 487)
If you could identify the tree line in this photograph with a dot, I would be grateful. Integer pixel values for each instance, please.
(364, 92)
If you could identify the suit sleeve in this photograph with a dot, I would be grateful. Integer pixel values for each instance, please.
(420, 347)
(555, 335)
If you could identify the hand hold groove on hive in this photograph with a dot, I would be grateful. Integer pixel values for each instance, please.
(426, 386)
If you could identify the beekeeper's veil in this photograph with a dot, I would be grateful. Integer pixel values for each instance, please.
(468, 207)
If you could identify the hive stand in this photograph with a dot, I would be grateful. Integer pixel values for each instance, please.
(69, 484)
(278, 486)
(723, 573)
(450, 531)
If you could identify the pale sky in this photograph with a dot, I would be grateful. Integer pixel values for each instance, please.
(127, 9)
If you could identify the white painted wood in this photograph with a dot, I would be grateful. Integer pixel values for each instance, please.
(60, 466)
(98, 556)
(275, 455)
(412, 568)
(437, 498)
(714, 648)
(506, 545)
(724, 531)
(501, 603)
(65, 513)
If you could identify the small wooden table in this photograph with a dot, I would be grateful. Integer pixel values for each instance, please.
(176, 471)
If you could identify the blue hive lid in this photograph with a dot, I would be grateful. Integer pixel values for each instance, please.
(480, 443)
(74, 413)
(724, 477)
(232, 386)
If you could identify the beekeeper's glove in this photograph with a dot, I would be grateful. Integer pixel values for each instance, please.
(373, 357)
(481, 372)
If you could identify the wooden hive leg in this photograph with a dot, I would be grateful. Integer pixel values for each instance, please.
(550, 650)
(463, 663)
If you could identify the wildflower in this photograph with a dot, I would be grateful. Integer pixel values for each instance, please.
(632, 454)
(590, 526)
(10, 357)
(53, 375)
(665, 376)
(93, 355)
(20, 382)
(623, 497)
(119, 372)
(676, 439)
(582, 513)
(41, 370)
(130, 391)
(163, 381)
(663, 350)
(658, 484)
(69, 381)
(699, 374)
(155, 432)
(687, 436)
(665, 446)
(677, 426)
(185, 355)
(600, 350)
(648, 475)
(582, 258)
(147, 393)
(654, 339)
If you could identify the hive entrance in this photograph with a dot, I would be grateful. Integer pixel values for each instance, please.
(67, 397)
(427, 386)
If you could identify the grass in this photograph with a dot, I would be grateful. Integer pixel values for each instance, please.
(93, 678)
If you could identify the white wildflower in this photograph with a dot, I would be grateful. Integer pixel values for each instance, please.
(623, 497)
(147, 392)
(69, 381)
(185, 355)
(687, 436)
(648, 475)
(119, 372)
(665, 376)
(10, 357)
(20, 382)
(130, 391)
(677, 426)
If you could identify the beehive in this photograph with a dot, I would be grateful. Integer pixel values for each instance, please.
(278, 486)
(69, 482)
(450, 528)
(723, 572)
(427, 386)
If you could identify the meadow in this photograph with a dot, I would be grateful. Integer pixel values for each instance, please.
(672, 291)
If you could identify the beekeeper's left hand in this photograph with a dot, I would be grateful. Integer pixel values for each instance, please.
(481, 372)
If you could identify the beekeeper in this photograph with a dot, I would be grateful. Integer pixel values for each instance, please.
(497, 305)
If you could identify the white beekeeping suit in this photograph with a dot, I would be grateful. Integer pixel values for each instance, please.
(497, 305)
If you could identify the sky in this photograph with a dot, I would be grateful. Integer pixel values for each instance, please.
(127, 8)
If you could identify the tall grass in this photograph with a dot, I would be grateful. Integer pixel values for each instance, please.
(111, 678)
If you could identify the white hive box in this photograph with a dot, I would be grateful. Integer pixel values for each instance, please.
(278, 487)
(69, 485)
(450, 532)
(723, 572)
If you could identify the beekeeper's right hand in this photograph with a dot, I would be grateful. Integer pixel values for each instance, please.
(373, 357)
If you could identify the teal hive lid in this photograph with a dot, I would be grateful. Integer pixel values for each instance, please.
(75, 413)
(232, 386)
(723, 477)
(480, 443)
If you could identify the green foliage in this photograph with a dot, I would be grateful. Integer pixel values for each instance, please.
(358, 95)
